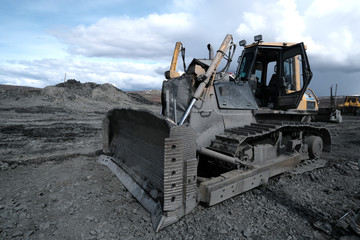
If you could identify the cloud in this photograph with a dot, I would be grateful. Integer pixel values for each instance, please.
(41, 73)
(326, 27)
(150, 37)
(278, 21)
(333, 28)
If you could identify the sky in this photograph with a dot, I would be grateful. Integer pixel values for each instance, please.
(129, 43)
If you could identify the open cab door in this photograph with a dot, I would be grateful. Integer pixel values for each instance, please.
(295, 76)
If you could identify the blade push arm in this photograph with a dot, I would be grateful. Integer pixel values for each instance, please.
(212, 69)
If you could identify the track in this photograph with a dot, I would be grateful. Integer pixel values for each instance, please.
(231, 140)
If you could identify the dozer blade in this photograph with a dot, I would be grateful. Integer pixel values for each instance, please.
(155, 160)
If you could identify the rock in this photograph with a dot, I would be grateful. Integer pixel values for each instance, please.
(101, 235)
(327, 191)
(128, 195)
(146, 219)
(56, 233)
(43, 226)
(263, 188)
(319, 236)
(4, 165)
(17, 233)
(119, 210)
(355, 223)
(336, 165)
(13, 166)
(9, 225)
(343, 224)
(247, 232)
(4, 234)
(132, 218)
(227, 223)
(93, 232)
(257, 191)
(308, 195)
(28, 234)
(90, 218)
(325, 227)
(18, 208)
(98, 229)
(71, 211)
(43, 205)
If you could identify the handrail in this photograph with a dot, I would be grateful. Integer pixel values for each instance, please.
(314, 95)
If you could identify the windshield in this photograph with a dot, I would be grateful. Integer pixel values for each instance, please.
(351, 99)
(245, 65)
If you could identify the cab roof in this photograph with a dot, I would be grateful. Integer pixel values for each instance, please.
(271, 44)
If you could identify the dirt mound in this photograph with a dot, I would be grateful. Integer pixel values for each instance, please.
(71, 95)
(73, 83)
(75, 88)
(100, 92)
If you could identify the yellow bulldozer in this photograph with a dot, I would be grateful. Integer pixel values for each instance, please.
(219, 134)
(351, 105)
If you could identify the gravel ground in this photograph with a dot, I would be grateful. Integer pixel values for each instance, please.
(53, 188)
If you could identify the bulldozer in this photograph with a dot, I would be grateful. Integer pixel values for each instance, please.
(351, 105)
(218, 134)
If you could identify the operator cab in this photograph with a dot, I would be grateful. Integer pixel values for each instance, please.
(278, 73)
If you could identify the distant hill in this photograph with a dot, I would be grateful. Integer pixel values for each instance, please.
(3, 86)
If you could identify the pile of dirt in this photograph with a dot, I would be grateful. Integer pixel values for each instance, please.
(99, 92)
(71, 95)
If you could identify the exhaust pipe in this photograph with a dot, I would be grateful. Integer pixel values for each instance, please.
(211, 51)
